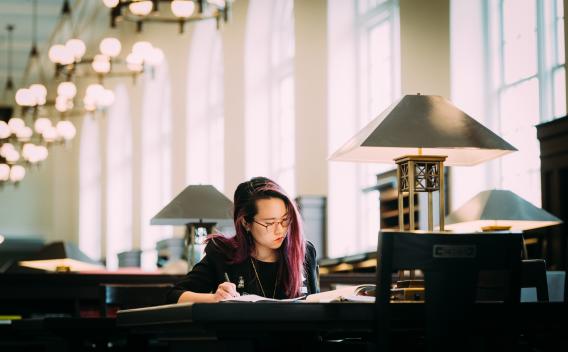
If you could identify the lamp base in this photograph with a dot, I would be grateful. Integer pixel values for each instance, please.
(495, 228)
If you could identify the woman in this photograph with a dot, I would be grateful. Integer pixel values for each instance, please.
(268, 256)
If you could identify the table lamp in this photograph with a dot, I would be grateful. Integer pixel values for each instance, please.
(499, 210)
(61, 257)
(200, 208)
(420, 133)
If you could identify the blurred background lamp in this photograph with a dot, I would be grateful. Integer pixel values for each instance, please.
(420, 133)
(499, 210)
(61, 257)
(200, 208)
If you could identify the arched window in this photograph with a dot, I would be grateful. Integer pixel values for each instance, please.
(90, 234)
(156, 159)
(119, 177)
(270, 91)
(364, 80)
(205, 108)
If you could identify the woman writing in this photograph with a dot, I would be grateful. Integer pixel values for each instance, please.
(268, 256)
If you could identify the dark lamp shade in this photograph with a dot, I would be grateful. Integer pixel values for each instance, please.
(499, 208)
(61, 256)
(196, 204)
(429, 122)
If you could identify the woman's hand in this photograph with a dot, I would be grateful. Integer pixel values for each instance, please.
(226, 290)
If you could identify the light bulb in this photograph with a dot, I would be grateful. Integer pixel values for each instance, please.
(67, 57)
(76, 47)
(67, 90)
(66, 129)
(4, 172)
(94, 90)
(142, 48)
(182, 8)
(106, 98)
(155, 57)
(89, 103)
(110, 47)
(141, 8)
(5, 130)
(41, 124)
(50, 134)
(25, 97)
(6, 148)
(41, 152)
(134, 59)
(56, 52)
(17, 173)
(28, 151)
(16, 124)
(12, 156)
(101, 64)
(60, 106)
(110, 3)
(24, 134)
(38, 90)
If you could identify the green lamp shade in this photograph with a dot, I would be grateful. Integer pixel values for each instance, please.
(429, 122)
(499, 209)
(196, 204)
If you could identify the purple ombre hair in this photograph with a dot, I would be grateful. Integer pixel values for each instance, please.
(241, 246)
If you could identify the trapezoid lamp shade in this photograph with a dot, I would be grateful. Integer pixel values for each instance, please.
(61, 256)
(499, 210)
(196, 204)
(424, 125)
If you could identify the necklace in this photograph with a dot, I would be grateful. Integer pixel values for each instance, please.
(260, 283)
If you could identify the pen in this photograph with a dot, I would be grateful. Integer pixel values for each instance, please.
(227, 277)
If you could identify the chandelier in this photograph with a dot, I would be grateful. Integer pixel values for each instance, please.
(105, 64)
(178, 12)
(26, 128)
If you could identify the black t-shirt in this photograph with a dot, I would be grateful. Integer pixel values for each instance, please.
(206, 275)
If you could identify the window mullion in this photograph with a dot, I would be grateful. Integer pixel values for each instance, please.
(544, 79)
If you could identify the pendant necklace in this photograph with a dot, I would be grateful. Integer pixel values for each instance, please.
(260, 283)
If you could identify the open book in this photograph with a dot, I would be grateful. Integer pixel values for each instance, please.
(360, 293)
(256, 298)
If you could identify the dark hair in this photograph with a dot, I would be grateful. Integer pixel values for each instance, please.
(292, 251)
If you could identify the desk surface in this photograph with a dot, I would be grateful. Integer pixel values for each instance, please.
(323, 316)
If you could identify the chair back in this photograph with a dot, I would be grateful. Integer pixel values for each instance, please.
(451, 264)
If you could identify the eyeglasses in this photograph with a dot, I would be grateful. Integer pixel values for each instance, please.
(271, 226)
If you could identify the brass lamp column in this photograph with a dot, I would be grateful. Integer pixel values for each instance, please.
(420, 173)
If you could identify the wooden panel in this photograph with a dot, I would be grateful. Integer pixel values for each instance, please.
(553, 138)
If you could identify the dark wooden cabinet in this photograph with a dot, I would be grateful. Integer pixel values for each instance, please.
(553, 138)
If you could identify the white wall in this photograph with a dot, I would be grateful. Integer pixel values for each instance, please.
(310, 66)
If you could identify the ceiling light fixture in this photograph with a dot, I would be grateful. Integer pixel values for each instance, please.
(178, 12)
